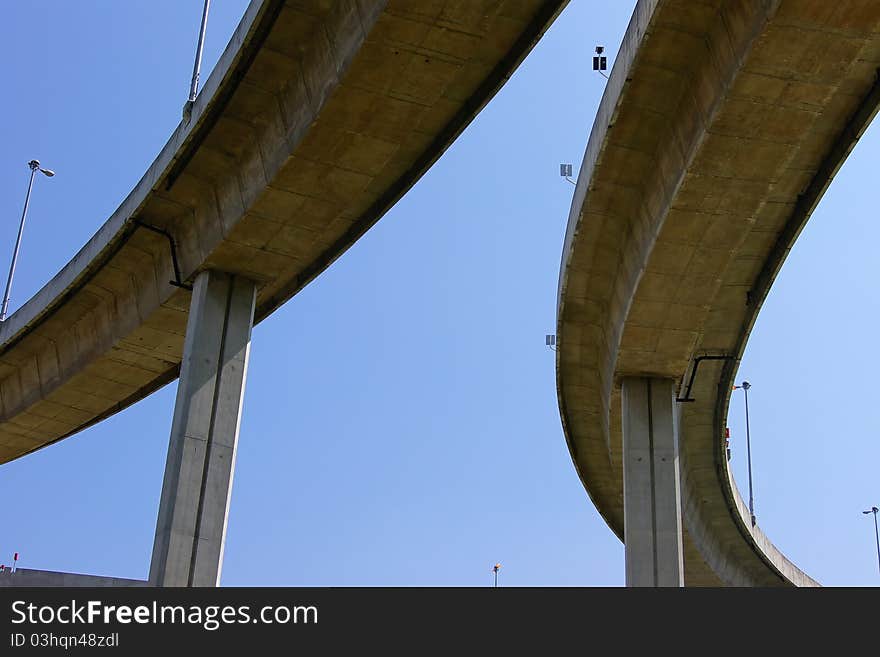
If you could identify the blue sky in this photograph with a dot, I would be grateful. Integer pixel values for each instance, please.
(400, 422)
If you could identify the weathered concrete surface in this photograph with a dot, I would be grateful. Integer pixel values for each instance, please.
(194, 507)
(29, 578)
(651, 494)
(721, 126)
(318, 117)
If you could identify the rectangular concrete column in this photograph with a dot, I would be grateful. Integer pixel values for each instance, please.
(191, 528)
(651, 489)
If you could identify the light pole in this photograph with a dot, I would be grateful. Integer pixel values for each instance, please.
(745, 386)
(194, 85)
(495, 570)
(35, 166)
(873, 510)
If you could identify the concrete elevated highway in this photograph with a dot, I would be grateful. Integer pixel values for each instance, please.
(318, 117)
(721, 126)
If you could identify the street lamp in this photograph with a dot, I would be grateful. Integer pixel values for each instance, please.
(873, 510)
(35, 166)
(745, 386)
(194, 85)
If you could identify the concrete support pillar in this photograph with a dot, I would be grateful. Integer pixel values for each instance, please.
(651, 488)
(191, 528)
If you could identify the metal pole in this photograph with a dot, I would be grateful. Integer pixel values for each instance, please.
(194, 87)
(34, 165)
(745, 386)
(876, 533)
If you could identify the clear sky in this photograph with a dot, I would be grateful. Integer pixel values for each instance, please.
(400, 423)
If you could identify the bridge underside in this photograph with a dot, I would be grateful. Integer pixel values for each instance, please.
(722, 124)
(319, 116)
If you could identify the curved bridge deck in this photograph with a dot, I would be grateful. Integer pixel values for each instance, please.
(317, 118)
(722, 124)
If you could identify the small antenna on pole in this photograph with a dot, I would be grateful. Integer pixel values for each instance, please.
(600, 61)
(495, 570)
(565, 171)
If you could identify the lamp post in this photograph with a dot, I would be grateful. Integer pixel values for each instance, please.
(35, 166)
(745, 386)
(194, 85)
(873, 510)
(495, 570)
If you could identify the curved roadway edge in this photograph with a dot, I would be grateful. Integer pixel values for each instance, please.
(317, 118)
(721, 126)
